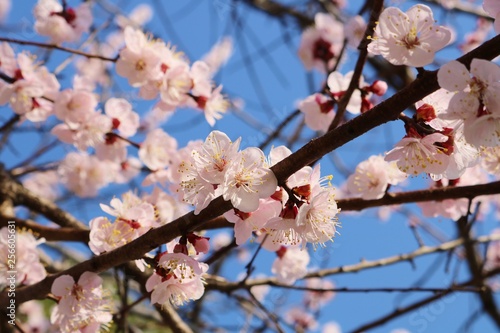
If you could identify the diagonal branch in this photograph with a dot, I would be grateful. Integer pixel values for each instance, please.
(382, 113)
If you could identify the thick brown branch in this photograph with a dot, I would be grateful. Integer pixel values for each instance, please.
(21, 196)
(50, 234)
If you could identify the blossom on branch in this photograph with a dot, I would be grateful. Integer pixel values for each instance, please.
(409, 38)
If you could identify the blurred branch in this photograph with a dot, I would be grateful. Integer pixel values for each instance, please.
(22, 196)
(221, 284)
(400, 311)
(276, 9)
(57, 47)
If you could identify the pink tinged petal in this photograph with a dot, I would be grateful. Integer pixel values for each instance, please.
(242, 231)
(153, 281)
(421, 16)
(453, 76)
(134, 39)
(485, 70)
(62, 285)
(90, 280)
(392, 22)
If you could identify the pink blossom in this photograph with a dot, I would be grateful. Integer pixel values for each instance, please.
(338, 85)
(247, 179)
(75, 106)
(4, 9)
(166, 206)
(177, 279)
(82, 306)
(139, 16)
(475, 101)
(213, 105)
(316, 299)
(88, 133)
(219, 54)
(320, 45)
(409, 38)
(414, 155)
(301, 320)
(29, 269)
(32, 85)
(139, 61)
(201, 78)
(83, 174)
(158, 150)
(246, 223)
(492, 7)
(36, 319)
(43, 184)
(213, 157)
(62, 25)
(372, 177)
(355, 30)
(123, 118)
(491, 160)
(316, 221)
(318, 112)
(290, 265)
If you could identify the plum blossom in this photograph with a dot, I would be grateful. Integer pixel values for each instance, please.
(177, 279)
(29, 269)
(219, 54)
(475, 100)
(43, 184)
(372, 178)
(84, 174)
(36, 319)
(409, 38)
(4, 9)
(62, 24)
(355, 30)
(318, 112)
(246, 223)
(338, 85)
(133, 218)
(30, 87)
(492, 7)
(301, 320)
(491, 160)
(493, 253)
(415, 154)
(213, 105)
(158, 150)
(123, 118)
(82, 306)
(88, 133)
(320, 45)
(248, 179)
(139, 61)
(316, 299)
(75, 106)
(213, 157)
(291, 264)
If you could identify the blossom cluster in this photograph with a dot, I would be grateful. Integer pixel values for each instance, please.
(83, 306)
(159, 70)
(28, 268)
(318, 109)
